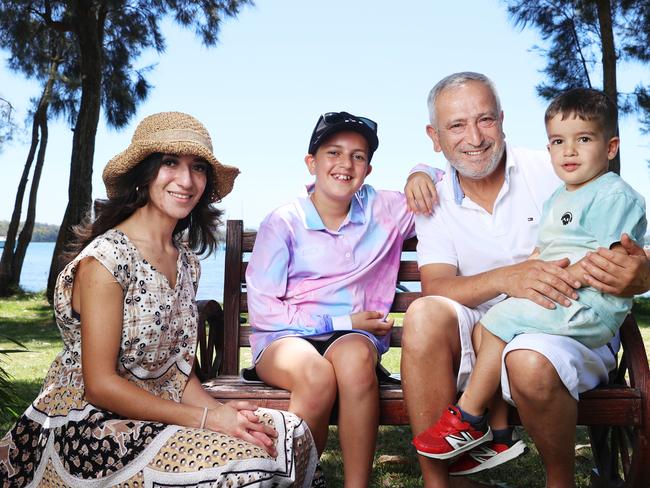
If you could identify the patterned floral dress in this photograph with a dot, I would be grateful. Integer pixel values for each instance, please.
(62, 440)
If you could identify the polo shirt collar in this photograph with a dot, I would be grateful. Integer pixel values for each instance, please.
(312, 221)
(459, 194)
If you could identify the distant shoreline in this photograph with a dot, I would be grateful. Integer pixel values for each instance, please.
(41, 232)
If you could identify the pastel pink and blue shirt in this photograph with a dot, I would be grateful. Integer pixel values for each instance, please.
(306, 280)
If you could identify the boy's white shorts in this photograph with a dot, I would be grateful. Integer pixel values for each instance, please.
(580, 368)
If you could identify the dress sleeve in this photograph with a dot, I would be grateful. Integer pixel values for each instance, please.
(113, 252)
(266, 285)
(616, 214)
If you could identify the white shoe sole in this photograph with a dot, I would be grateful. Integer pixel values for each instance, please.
(517, 449)
(467, 447)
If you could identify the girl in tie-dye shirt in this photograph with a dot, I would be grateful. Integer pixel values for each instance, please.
(320, 282)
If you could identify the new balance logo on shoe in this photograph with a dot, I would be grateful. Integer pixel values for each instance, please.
(459, 440)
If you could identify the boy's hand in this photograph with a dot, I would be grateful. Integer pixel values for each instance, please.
(421, 195)
(372, 322)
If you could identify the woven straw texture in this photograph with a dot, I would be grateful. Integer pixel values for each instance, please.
(171, 133)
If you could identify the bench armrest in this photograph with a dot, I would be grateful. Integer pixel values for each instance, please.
(634, 360)
(210, 343)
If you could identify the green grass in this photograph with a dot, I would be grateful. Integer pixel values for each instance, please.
(28, 318)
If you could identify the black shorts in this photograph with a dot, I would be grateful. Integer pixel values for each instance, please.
(321, 346)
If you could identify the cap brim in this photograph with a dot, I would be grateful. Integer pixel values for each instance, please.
(369, 135)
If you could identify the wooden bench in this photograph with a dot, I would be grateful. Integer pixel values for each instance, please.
(617, 415)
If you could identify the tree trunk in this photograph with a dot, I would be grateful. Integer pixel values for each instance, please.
(6, 262)
(609, 63)
(25, 236)
(88, 31)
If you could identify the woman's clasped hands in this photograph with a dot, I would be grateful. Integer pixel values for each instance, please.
(238, 419)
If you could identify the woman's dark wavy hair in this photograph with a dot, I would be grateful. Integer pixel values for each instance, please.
(200, 225)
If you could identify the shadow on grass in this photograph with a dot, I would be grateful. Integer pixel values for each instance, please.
(26, 391)
(25, 332)
(396, 463)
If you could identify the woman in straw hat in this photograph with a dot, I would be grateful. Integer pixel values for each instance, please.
(121, 405)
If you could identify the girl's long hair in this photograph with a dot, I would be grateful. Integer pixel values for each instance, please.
(200, 226)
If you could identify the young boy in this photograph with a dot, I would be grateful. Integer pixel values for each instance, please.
(320, 282)
(592, 209)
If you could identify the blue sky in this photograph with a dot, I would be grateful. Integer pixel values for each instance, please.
(281, 64)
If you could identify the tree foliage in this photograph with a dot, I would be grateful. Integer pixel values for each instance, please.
(7, 122)
(587, 41)
(108, 37)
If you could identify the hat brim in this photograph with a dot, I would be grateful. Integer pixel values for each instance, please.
(224, 175)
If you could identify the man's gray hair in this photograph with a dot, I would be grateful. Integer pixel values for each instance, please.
(453, 81)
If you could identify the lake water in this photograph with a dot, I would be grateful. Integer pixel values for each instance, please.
(39, 256)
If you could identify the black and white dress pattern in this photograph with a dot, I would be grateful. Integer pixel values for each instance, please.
(62, 440)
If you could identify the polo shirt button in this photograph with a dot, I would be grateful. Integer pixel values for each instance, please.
(347, 254)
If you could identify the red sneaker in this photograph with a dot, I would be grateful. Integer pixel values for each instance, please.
(451, 436)
(486, 456)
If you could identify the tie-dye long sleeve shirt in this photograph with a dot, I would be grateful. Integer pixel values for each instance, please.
(306, 280)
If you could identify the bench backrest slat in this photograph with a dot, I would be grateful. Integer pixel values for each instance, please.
(240, 243)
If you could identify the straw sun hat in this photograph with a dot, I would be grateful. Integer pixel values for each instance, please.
(172, 133)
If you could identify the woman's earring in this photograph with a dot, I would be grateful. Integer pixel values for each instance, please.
(137, 189)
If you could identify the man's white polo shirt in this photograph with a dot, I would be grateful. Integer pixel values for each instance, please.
(463, 234)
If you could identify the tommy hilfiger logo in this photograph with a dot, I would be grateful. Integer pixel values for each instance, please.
(566, 218)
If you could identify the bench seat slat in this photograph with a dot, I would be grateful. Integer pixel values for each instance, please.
(595, 407)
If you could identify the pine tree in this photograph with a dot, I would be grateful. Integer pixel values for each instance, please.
(587, 40)
(40, 54)
(109, 36)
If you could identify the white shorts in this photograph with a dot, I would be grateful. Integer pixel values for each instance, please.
(580, 368)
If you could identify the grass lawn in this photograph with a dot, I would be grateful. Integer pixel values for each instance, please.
(28, 318)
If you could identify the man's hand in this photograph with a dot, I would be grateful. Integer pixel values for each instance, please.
(618, 274)
(421, 195)
(543, 282)
(372, 322)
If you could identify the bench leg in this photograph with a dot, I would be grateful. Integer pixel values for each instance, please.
(621, 456)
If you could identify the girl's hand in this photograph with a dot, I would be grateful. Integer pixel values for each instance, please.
(239, 420)
(372, 322)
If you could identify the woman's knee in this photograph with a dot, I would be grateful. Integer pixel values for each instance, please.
(532, 376)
